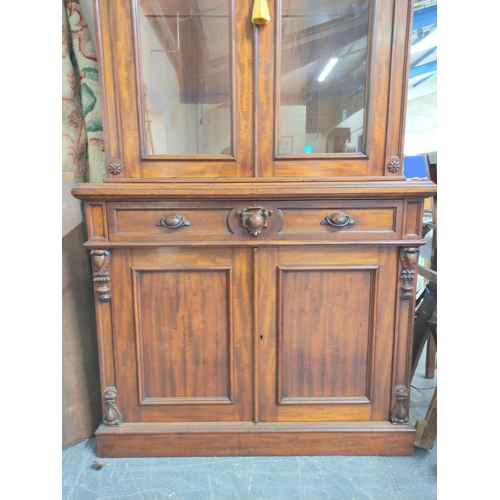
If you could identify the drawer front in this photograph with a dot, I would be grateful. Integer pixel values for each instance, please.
(163, 221)
(301, 221)
(345, 220)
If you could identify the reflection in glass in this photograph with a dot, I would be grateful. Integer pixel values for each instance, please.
(185, 73)
(322, 76)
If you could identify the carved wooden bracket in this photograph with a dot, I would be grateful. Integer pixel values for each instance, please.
(111, 415)
(409, 258)
(400, 413)
(255, 219)
(100, 261)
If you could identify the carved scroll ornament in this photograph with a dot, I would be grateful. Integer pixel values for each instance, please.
(409, 258)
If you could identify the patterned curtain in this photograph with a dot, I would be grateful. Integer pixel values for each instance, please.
(82, 136)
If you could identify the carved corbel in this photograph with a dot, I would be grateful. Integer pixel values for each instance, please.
(100, 262)
(409, 258)
(111, 415)
(400, 413)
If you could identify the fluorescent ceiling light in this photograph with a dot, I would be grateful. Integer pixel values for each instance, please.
(331, 63)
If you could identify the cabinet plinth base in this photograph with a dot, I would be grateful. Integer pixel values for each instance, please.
(248, 439)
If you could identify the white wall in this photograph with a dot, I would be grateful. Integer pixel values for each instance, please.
(421, 125)
(293, 122)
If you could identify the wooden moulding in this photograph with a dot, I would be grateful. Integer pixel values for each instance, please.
(248, 439)
(255, 190)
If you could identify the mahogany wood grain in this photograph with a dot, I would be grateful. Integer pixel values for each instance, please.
(255, 58)
(139, 221)
(405, 316)
(182, 334)
(214, 341)
(125, 82)
(399, 71)
(373, 189)
(371, 219)
(241, 439)
(96, 221)
(413, 219)
(220, 221)
(379, 105)
(124, 139)
(105, 42)
(253, 244)
(301, 330)
(317, 361)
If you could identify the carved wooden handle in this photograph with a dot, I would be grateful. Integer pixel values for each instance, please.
(337, 219)
(255, 219)
(173, 221)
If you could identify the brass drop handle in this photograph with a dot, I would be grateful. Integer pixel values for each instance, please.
(255, 219)
(337, 219)
(173, 221)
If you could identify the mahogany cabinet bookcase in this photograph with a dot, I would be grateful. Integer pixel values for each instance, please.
(255, 243)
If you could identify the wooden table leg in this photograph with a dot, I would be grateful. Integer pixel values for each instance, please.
(425, 436)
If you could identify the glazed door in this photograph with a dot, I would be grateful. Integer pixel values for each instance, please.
(194, 90)
(182, 352)
(330, 68)
(326, 317)
(178, 91)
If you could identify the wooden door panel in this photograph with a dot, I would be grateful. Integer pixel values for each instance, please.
(327, 342)
(324, 349)
(183, 334)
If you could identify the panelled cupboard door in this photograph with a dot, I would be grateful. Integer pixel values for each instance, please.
(326, 318)
(194, 90)
(182, 352)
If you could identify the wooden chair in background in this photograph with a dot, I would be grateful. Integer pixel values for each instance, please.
(425, 326)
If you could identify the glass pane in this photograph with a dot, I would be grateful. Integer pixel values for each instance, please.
(185, 70)
(323, 76)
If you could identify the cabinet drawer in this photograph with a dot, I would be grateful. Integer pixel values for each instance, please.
(289, 220)
(351, 220)
(163, 221)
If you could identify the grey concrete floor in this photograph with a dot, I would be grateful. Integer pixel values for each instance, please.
(265, 478)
